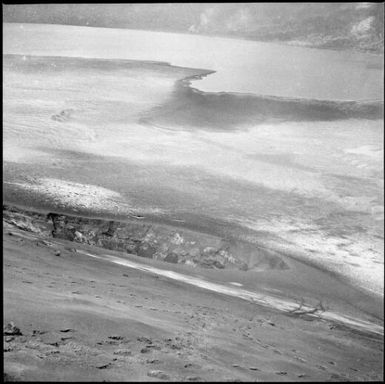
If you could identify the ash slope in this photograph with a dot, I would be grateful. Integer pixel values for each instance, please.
(103, 321)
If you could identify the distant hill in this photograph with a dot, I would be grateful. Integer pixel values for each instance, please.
(322, 25)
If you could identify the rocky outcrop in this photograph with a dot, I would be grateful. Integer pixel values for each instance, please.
(25, 220)
(154, 241)
(11, 330)
(148, 240)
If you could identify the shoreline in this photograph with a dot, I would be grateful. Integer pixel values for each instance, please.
(186, 82)
(164, 57)
(201, 73)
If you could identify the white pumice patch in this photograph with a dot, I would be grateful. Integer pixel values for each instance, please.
(76, 195)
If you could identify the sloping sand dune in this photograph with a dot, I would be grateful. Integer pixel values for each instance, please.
(85, 318)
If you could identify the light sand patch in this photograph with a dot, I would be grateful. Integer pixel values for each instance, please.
(367, 150)
(76, 195)
(357, 257)
(18, 154)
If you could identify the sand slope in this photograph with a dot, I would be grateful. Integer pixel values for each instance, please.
(88, 319)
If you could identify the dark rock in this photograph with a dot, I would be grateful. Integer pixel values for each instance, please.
(156, 347)
(211, 263)
(171, 258)
(144, 340)
(243, 267)
(52, 352)
(153, 361)
(11, 329)
(145, 250)
(37, 332)
(57, 253)
(8, 378)
(193, 378)
(114, 337)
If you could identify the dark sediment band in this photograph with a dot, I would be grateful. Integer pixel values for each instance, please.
(192, 108)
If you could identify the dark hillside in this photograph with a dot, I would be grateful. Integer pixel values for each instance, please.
(323, 25)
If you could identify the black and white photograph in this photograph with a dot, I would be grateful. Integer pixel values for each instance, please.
(193, 192)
